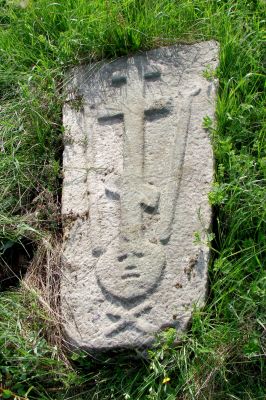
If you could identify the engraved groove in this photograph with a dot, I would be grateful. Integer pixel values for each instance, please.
(152, 75)
(119, 81)
(130, 267)
(132, 275)
(122, 257)
(138, 254)
(153, 114)
(111, 119)
(131, 319)
(177, 161)
(112, 195)
(113, 317)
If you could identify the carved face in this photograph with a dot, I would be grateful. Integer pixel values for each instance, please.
(133, 272)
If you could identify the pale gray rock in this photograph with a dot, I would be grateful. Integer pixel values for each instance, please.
(138, 167)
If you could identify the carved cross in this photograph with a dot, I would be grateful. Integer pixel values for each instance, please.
(133, 318)
(134, 192)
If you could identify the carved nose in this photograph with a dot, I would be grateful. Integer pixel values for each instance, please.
(130, 267)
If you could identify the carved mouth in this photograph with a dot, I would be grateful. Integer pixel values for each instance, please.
(133, 275)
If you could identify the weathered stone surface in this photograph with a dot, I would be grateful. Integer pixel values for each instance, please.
(138, 167)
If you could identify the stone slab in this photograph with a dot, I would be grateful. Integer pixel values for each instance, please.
(138, 166)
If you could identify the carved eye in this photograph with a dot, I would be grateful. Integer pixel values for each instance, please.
(122, 257)
(138, 254)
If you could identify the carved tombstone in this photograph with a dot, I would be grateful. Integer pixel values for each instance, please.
(138, 166)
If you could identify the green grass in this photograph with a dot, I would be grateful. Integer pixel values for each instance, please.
(222, 356)
(26, 358)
